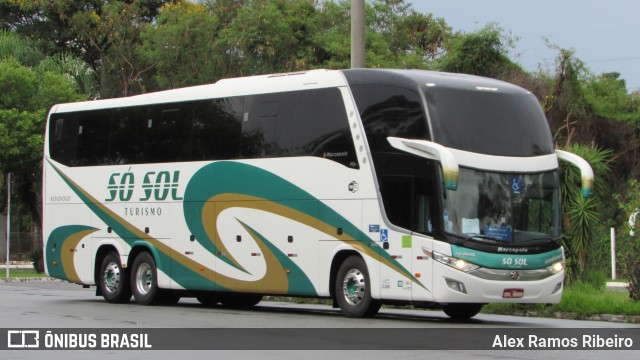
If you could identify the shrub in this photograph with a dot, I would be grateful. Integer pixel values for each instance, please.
(37, 260)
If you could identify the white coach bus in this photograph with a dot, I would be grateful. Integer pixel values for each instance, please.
(364, 186)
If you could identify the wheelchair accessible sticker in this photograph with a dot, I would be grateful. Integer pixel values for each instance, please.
(384, 235)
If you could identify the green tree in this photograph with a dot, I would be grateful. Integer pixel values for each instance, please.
(608, 97)
(114, 33)
(628, 245)
(483, 52)
(20, 48)
(266, 36)
(104, 34)
(182, 47)
(27, 96)
(396, 35)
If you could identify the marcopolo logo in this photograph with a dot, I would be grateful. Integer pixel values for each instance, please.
(156, 186)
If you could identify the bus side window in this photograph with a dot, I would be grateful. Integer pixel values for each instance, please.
(216, 129)
(128, 135)
(408, 202)
(58, 129)
(63, 139)
(298, 123)
(94, 138)
(169, 127)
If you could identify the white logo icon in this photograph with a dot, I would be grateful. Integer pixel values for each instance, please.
(20, 339)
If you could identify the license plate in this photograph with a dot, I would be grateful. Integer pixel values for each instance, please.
(513, 293)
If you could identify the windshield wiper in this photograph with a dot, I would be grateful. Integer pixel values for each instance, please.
(548, 239)
(480, 238)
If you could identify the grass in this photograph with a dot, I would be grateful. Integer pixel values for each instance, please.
(20, 273)
(580, 299)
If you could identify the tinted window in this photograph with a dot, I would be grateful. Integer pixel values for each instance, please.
(304, 123)
(129, 132)
(407, 182)
(488, 122)
(389, 111)
(94, 139)
(407, 185)
(168, 132)
(301, 123)
(64, 137)
(216, 130)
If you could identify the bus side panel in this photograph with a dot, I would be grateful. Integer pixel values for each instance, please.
(67, 232)
(268, 246)
(371, 226)
(396, 285)
(422, 268)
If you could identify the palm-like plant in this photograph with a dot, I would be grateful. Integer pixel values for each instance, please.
(582, 217)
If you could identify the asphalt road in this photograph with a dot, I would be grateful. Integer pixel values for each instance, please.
(69, 306)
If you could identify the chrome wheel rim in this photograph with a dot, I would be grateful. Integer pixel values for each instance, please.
(144, 278)
(353, 287)
(111, 277)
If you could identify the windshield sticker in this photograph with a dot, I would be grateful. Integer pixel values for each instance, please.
(516, 185)
(502, 233)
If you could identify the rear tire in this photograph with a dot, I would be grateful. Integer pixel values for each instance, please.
(353, 289)
(113, 280)
(144, 280)
(462, 311)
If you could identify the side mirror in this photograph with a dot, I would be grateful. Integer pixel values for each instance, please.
(585, 170)
(433, 151)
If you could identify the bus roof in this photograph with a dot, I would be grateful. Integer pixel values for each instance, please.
(312, 79)
(240, 86)
(414, 79)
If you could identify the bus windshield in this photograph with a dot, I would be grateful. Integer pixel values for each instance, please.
(507, 208)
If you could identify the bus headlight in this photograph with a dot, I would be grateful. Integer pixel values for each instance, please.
(456, 263)
(556, 267)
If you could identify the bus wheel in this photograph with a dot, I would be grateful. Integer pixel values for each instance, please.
(144, 279)
(353, 289)
(462, 311)
(113, 280)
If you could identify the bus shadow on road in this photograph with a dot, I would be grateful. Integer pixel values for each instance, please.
(385, 317)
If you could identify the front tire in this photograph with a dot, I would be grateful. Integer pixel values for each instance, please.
(113, 280)
(353, 289)
(144, 279)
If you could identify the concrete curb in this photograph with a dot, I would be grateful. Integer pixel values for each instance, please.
(27, 279)
(627, 319)
(617, 286)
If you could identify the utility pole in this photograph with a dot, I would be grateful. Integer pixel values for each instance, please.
(357, 34)
(8, 220)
